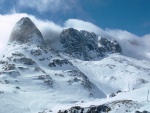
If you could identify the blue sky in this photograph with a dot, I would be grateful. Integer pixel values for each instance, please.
(130, 15)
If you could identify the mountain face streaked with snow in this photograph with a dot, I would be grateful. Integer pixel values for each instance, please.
(26, 32)
(85, 45)
(89, 74)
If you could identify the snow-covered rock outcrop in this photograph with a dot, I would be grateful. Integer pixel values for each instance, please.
(86, 45)
(25, 31)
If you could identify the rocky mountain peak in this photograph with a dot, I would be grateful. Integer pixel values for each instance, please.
(87, 45)
(25, 31)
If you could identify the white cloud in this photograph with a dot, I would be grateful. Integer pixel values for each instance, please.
(6, 24)
(82, 25)
(131, 44)
(48, 28)
(48, 5)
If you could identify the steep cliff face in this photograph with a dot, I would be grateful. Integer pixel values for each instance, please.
(25, 31)
(85, 45)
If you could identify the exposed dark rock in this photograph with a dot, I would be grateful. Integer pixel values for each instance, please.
(110, 45)
(47, 79)
(3, 62)
(17, 54)
(17, 87)
(106, 108)
(37, 69)
(86, 44)
(42, 59)
(23, 68)
(81, 78)
(91, 109)
(142, 112)
(9, 67)
(36, 52)
(1, 92)
(59, 62)
(25, 31)
(119, 91)
(137, 112)
(59, 75)
(145, 111)
(27, 61)
(111, 95)
(6, 81)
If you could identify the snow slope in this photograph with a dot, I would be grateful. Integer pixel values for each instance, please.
(37, 79)
(40, 79)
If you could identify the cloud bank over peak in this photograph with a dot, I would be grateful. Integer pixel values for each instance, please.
(82, 25)
(7, 22)
(132, 45)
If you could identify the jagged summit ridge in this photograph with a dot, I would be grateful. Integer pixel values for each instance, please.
(79, 44)
(87, 45)
(25, 31)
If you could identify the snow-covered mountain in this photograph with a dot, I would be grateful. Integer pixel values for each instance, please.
(88, 74)
(85, 45)
(26, 32)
